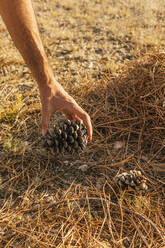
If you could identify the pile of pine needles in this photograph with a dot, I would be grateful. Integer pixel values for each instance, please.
(46, 202)
(130, 106)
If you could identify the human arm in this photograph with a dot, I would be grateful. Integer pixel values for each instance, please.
(20, 20)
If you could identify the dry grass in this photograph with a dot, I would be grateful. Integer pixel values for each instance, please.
(110, 56)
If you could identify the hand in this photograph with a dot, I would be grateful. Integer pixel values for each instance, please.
(22, 26)
(54, 98)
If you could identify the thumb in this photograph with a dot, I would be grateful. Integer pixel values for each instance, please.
(45, 121)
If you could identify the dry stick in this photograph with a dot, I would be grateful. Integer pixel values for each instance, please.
(54, 204)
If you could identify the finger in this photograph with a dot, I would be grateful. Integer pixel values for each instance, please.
(45, 121)
(69, 116)
(88, 124)
(72, 117)
(80, 113)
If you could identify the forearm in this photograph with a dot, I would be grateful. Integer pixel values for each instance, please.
(20, 20)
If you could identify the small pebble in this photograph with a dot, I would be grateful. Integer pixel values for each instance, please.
(83, 167)
(66, 162)
(118, 145)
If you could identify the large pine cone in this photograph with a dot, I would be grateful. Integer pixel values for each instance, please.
(69, 137)
(134, 179)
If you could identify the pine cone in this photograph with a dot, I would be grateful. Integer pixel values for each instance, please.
(69, 137)
(133, 179)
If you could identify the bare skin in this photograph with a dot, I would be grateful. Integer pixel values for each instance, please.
(20, 20)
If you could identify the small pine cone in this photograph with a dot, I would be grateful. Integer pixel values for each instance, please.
(68, 137)
(133, 179)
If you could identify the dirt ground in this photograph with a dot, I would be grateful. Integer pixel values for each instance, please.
(95, 48)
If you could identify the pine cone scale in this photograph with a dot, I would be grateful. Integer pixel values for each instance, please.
(133, 179)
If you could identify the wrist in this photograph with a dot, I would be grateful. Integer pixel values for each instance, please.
(44, 76)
